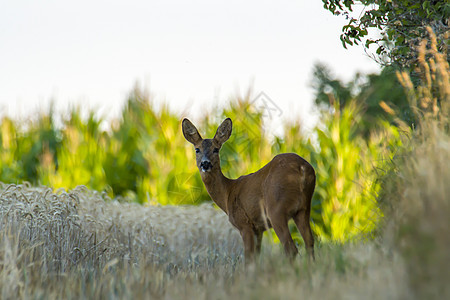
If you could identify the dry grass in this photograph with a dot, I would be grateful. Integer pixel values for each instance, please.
(77, 245)
(417, 194)
(424, 224)
(418, 208)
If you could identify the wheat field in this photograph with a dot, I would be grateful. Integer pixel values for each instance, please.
(74, 244)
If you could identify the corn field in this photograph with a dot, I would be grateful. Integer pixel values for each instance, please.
(144, 158)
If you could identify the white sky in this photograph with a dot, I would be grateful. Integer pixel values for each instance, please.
(188, 53)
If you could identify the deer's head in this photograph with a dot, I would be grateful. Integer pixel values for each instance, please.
(207, 150)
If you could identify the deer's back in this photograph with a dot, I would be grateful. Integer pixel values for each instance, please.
(280, 182)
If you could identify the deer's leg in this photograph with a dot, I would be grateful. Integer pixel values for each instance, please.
(259, 236)
(248, 236)
(303, 225)
(280, 225)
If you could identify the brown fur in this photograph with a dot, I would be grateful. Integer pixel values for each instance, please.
(279, 191)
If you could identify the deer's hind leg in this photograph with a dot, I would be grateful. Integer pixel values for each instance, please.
(302, 219)
(280, 225)
(303, 225)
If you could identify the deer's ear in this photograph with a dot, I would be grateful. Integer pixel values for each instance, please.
(190, 132)
(224, 131)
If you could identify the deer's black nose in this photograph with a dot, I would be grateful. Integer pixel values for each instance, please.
(205, 165)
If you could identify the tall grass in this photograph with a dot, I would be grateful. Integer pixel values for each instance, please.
(417, 190)
(75, 245)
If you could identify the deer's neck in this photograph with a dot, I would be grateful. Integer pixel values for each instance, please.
(218, 187)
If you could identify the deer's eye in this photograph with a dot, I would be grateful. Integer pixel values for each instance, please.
(197, 150)
(216, 150)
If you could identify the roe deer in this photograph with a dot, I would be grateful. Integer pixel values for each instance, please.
(270, 197)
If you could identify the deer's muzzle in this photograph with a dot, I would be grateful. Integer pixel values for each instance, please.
(205, 166)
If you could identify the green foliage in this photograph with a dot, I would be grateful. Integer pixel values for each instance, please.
(21, 151)
(402, 24)
(377, 95)
(78, 158)
(347, 167)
